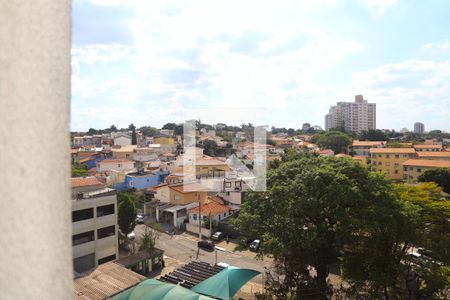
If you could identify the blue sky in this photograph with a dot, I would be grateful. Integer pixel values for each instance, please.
(278, 63)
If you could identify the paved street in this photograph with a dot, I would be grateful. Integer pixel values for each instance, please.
(183, 248)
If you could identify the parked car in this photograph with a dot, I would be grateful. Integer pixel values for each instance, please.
(254, 246)
(217, 236)
(131, 236)
(140, 219)
(207, 245)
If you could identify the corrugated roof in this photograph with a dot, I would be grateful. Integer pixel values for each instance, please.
(105, 281)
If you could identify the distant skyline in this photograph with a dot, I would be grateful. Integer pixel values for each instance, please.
(263, 62)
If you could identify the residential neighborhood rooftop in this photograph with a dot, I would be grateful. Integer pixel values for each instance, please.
(367, 143)
(427, 163)
(212, 208)
(426, 154)
(85, 181)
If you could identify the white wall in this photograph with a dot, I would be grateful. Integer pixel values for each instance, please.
(36, 250)
(122, 141)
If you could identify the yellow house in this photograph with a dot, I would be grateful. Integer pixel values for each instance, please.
(186, 193)
(181, 193)
(164, 140)
(413, 168)
(205, 166)
(390, 161)
(124, 152)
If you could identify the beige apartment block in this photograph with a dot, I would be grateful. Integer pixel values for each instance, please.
(94, 224)
(413, 168)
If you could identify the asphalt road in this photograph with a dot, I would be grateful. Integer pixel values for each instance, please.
(183, 248)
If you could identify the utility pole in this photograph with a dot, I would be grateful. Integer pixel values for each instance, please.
(210, 224)
(199, 218)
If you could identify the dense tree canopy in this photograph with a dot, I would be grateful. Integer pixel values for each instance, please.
(313, 206)
(372, 135)
(321, 211)
(441, 176)
(334, 140)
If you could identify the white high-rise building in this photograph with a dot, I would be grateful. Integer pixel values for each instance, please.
(352, 116)
(419, 127)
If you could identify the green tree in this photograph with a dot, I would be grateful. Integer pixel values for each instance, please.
(210, 147)
(126, 214)
(170, 126)
(148, 240)
(372, 135)
(79, 170)
(149, 131)
(113, 128)
(430, 227)
(334, 140)
(441, 176)
(313, 209)
(133, 134)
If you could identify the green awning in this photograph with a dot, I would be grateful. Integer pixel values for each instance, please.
(153, 289)
(226, 283)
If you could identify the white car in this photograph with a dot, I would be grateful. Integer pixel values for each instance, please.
(140, 219)
(131, 236)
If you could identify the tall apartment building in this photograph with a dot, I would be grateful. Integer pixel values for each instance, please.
(94, 223)
(352, 116)
(419, 127)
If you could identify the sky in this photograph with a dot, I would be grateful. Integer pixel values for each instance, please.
(275, 63)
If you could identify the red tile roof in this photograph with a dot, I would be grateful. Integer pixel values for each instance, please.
(357, 143)
(424, 146)
(212, 208)
(425, 154)
(84, 181)
(427, 163)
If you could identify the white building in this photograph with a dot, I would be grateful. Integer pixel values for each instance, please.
(352, 116)
(115, 164)
(419, 127)
(122, 140)
(94, 219)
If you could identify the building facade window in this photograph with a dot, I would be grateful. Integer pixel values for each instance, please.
(105, 210)
(106, 232)
(81, 238)
(82, 214)
(194, 217)
(388, 164)
(228, 184)
(106, 259)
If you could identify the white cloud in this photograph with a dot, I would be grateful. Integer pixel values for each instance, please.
(408, 91)
(442, 46)
(378, 7)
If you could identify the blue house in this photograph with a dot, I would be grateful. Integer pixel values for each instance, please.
(141, 180)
